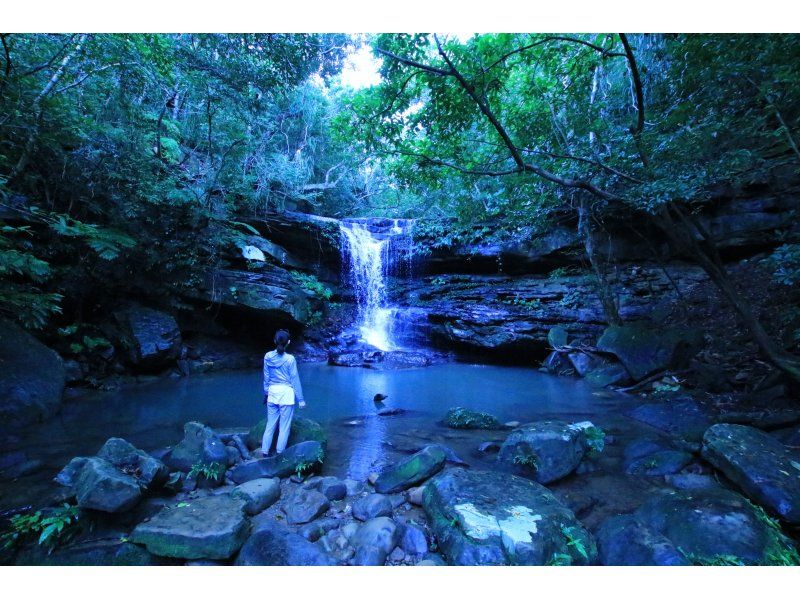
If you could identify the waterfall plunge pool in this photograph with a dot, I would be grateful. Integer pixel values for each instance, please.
(151, 416)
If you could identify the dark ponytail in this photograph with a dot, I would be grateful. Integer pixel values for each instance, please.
(281, 340)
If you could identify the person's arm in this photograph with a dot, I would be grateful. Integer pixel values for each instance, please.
(266, 379)
(298, 389)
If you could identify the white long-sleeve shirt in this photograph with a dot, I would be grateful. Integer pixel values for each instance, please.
(281, 369)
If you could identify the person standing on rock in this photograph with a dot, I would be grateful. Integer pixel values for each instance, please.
(281, 389)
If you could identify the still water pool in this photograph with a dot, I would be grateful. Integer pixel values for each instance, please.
(152, 415)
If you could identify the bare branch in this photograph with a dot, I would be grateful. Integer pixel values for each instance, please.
(407, 61)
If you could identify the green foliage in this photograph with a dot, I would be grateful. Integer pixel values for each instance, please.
(595, 439)
(304, 467)
(50, 529)
(718, 560)
(527, 461)
(559, 559)
(213, 471)
(527, 304)
(785, 265)
(572, 536)
(311, 283)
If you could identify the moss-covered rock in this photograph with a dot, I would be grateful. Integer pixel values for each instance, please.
(104, 553)
(303, 429)
(200, 445)
(411, 471)
(760, 465)
(495, 518)
(545, 451)
(717, 526)
(466, 419)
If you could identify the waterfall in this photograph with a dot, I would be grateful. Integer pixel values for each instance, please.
(373, 249)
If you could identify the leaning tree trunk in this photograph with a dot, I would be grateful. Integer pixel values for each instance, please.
(604, 291)
(37, 108)
(683, 235)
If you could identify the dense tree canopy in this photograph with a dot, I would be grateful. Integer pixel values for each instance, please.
(118, 150)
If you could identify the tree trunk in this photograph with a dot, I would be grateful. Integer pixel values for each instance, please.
(683, 235)
(37, 108)
(604, 291)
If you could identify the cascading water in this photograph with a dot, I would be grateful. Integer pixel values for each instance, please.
(373, 249)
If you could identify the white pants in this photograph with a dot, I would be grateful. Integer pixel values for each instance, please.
(277, 416)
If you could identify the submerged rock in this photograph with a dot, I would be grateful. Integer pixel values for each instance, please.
(213, 527)
(273, 544)
(411, 471)
(760, 465)
(32, 378)
(495, 518)
(545, 451)
(200, 445)
(466, 419)
(304, 457)
(644, 350)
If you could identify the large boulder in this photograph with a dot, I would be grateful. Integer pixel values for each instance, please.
(760, 465)
(624, 540)
(461, 418)
(101, 487)
(274, 544)
(302, 430)
(495, 518)
(411, 471)
(717, 526)
(106, 552)
(303, 458)
(213, 527)
(32, 378)
(151, 338)
(644, 350)
(545, 451)
(149, 471)
(200, 445)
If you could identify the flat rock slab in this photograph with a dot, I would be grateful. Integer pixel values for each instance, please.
(214, 527)
(305, 505)
(624, 540)
(258, 494)
(762, 467)
(715, 526)
(681, 419)
(275, 545)
(495, 518)
(412, 470)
